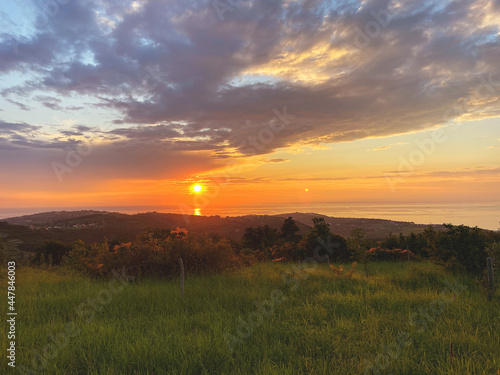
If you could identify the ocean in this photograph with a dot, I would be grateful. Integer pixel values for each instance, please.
(483, 215)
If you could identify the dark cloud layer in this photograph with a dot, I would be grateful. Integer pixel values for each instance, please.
(183, 79)
(12, 129)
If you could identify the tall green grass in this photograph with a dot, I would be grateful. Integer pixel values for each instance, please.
(323, 324)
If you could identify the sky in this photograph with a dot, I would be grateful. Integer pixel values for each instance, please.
(116, 102)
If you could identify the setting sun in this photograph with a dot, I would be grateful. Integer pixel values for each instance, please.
(197, 188)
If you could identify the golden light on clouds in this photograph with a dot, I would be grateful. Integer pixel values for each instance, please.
(312, 66)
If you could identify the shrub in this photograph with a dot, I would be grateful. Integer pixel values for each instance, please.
(289, 230)
(3, 257)
(284, 251)
(320, 242)
(357, 245)
(260, 238)
(53, 250)
(460, 248)
(381, 254)
(339, 271)
(155, 255)
(88, 258)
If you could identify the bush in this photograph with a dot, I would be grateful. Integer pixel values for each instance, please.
(339, 271)
(247, 257)
(381, 254)
(155, 255)
(88, 258)
(285, 251)
(260, 238)
(460, 248)
(52, 251)
(320, 242)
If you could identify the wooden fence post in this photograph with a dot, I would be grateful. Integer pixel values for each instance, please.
(491, 282)
(181, 265)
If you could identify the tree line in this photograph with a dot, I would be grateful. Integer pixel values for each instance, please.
(156, 252)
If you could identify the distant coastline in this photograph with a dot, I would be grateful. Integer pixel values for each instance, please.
(483, 215)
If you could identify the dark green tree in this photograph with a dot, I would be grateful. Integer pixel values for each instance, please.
(251, 239)
(3, 257)
(320, 243)
(460, 248)
(358, 247)
(52, 249)
(391, 242)
(260, 238)
(289, 230)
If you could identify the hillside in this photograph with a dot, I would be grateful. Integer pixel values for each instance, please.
(29, 231)
(51, 218)
(375, 228)
(18, 239)
(25, 233)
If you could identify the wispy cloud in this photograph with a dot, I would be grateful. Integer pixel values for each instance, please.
(21, 106)
(459, 174)
(388, 146)
(276, 161)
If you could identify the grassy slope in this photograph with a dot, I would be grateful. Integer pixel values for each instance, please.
(326, 325)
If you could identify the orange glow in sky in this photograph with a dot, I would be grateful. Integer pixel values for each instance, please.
(294, 119)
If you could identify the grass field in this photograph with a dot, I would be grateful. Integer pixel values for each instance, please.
(266, 319)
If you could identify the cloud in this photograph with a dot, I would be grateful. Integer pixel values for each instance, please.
(388, 146)
(478, 173)
(107, 162)
(179, 79)
(149, 132)
(380, 148)
(49, 102)
(276, 161)
(12, 129)
(494, 146)
(19, 105)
